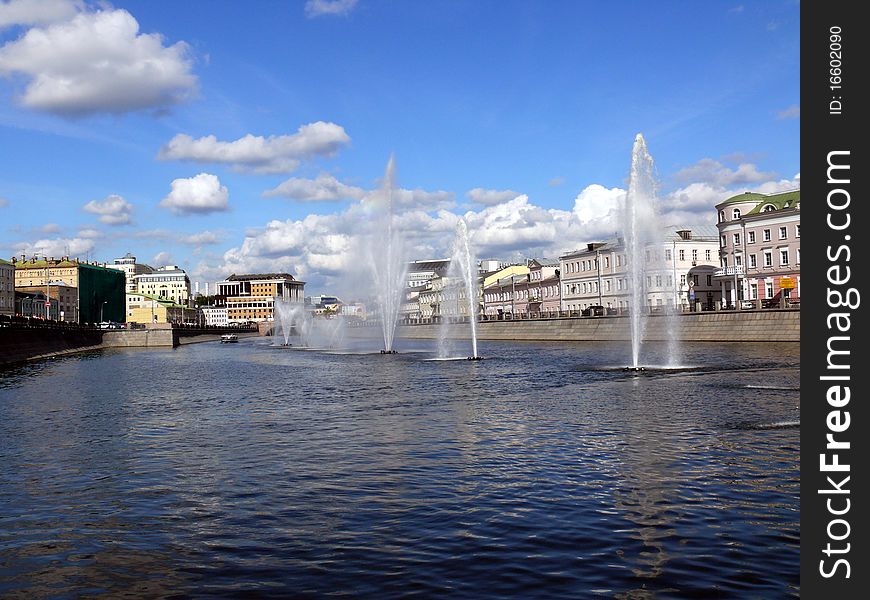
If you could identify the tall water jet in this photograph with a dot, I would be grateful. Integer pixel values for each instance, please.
(387, 259)
(640, 232)
(464, 267)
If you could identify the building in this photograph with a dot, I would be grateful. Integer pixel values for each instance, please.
(541, 290)
(499, 290)
(64, 299)
(146, 308)
(131, 269)
(252, 297)
(760, 251)
(7, 288)
(100, 290)
(169, 282)
(215, 315)
(677, 271)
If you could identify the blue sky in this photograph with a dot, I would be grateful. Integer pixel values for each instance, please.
(237, 137)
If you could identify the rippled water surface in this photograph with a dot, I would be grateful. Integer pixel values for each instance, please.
(544, 471)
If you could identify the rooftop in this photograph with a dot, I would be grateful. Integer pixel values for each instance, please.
(260, 277)
(793, 197)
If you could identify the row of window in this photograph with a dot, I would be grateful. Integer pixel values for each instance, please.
(592, 264)
(549, 291)
(765, 236)
(767, 259)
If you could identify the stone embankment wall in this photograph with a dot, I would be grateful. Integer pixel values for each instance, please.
(770, 325)
(22, 344)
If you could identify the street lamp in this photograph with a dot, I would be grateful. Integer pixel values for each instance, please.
(101, 310)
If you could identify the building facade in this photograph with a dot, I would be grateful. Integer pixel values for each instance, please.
(252, 297)
(169, 282)
(677, 272)
(64, 299)
(145, 308)
(760, 251)
(7, 288)
(215, 315)
(99, 290)
(131, 269)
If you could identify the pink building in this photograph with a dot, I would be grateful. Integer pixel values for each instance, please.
(760, 249)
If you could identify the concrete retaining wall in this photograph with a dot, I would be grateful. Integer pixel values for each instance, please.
(139, 338)
(745, 326)
(22, 344)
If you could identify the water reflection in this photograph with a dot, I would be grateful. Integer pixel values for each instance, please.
(252, 469)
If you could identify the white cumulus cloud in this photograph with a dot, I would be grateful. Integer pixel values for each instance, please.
(273, 154)
(113, 210)
(322, 189)
(98, 62)
(319, 8)
(57, 247)
(37, 12)
(715, 173)
(490, 197)
(200, 194)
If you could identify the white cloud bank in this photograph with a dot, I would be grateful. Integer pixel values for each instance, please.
(273, 154)
(37, 12)
(320, 8)
(113, 210)
(324, 188)
(94, 62)
(201, 194)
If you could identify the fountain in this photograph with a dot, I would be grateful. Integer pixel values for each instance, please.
(291, 318)
(463, 289)
(387, 260)
(640, 233)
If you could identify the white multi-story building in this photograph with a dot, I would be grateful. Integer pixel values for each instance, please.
(131, 269)
(215, 315)
(7, 288)
(169, 282)
(760, 248)
(677, 271)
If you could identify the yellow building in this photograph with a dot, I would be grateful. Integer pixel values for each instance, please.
(145, 308)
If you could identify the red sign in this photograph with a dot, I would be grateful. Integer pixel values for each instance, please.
(48, 304)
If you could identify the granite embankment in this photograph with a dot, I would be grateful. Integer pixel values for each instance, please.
(770, 325)
(24, 343)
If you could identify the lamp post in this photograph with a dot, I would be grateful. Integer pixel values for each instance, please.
(101, 311)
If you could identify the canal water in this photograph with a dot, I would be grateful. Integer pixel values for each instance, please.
(543, 471)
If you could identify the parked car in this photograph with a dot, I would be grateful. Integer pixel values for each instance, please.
(594, 311)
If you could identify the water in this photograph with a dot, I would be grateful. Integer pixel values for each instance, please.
(242, 470)
(387, 257)
(296, 326)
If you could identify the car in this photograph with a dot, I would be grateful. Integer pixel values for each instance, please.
(593, 311)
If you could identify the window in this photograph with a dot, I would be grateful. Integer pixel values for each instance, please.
(682, 280)
(768, 258)
(694, 255)
(724, 240)
(783, 233)
(738, 260)
(667, 254)
(721, 216)
(647, 256)
(768, 289)
(735, 214)
(682, 254)
(765, 235)
(658, 281)
(606, 262)
(783, 257)
(736, 239)
(750, 237)
(753, 291)
(797, 230)
(798, 256)
(706, 255)
(709, 280)
(753, 263)
(768, 208)
(670, 281)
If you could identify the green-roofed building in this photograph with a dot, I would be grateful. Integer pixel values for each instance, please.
(100, 291)
(759, 249)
